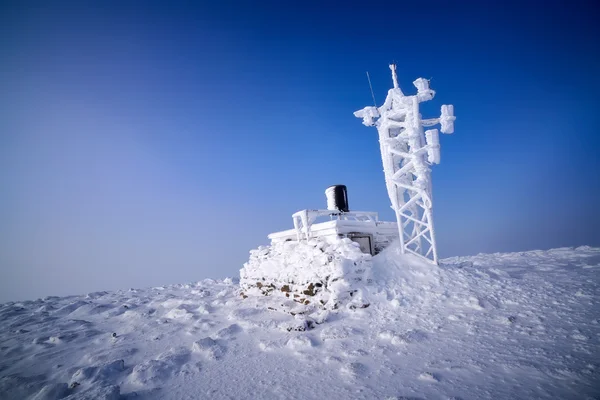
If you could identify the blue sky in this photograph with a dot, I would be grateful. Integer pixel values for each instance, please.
(156, 144)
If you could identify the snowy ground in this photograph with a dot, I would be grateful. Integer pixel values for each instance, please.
(520, 325)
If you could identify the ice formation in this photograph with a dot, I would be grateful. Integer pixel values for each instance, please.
(407, 151)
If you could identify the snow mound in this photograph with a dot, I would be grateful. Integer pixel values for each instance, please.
(400, 280)
(334, 273)
(319, 272)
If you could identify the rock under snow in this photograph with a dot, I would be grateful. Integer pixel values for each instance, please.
(323, 273)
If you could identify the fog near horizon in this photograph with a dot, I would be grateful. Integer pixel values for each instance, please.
(149, 147)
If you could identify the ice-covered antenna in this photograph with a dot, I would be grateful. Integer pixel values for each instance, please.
(371, 87)
(407, 152)
(394, 76)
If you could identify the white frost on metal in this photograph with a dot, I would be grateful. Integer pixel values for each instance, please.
(328, 226)
(304, 219)
(407, 152)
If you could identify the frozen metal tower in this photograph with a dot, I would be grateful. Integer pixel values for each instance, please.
(407, 152)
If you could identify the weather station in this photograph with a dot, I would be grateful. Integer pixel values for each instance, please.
(337, 221)
(325, 261)
(407, 152)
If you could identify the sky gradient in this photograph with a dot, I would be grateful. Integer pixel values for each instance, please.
(143, 146)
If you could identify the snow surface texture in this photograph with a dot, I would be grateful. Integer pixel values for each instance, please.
(520, 325)
(320, 273)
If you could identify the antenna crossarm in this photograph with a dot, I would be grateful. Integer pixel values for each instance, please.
(430, 122)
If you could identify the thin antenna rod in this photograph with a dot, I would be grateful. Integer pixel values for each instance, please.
(394, 76)
(371, 87)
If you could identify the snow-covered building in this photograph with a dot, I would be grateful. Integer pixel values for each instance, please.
(324, 261)
(337, 221)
